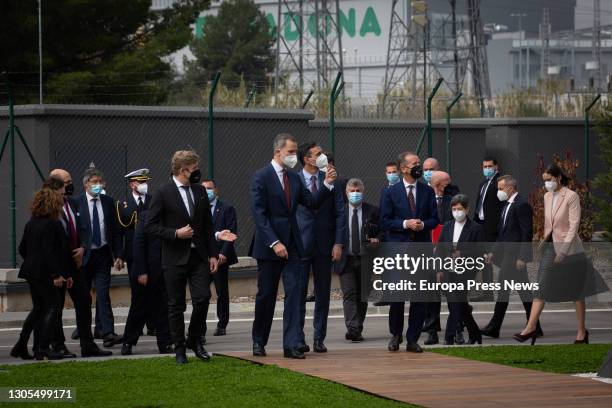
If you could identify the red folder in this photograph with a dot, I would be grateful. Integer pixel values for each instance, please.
(435, 233)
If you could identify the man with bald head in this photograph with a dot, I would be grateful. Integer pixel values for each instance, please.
(430, 165)
(81, 298)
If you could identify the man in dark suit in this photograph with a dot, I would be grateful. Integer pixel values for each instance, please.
(180, 216)
(100, 235)
(408, 213)
(277, 245)
(128, 211)
(487, 212)
(439, 181)
(223, 218)
(149, 295)
(80, 295)
(362, 220)
(322, 232)
(512, 250)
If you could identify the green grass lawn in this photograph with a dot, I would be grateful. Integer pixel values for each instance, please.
(562, 358)
(159, 382)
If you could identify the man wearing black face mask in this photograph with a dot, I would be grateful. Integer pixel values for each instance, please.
(180, 216)
(408, 213)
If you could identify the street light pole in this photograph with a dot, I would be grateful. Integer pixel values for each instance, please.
(40, 63)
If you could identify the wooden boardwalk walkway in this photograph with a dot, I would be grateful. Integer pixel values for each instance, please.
(434, 380)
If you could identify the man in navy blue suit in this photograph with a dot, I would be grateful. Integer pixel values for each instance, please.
(408, 214)
(322, 232)
(100, 235)
(277, 244)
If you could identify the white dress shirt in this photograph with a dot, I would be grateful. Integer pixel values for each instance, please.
(308, 177)
(510, 202)
(555, 197)
(137, 196)
(183, 194)
(213, 205)
(350, 224)
(457, 231)
(90, 202)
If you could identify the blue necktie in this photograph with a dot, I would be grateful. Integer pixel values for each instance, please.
(96, 234)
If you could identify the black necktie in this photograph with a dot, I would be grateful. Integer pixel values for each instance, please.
(355, 235)
(189, 201)
(504, 214)
(96, 234)
(439, 200)
(140, 203)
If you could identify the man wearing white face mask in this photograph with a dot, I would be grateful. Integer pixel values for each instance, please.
(277, 245)
(128, 213)
(322, 232)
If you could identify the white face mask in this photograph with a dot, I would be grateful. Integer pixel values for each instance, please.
(550, 185)
(459, 215)
(142, 188)
(502, 195)
(321, 162)
(290, 160)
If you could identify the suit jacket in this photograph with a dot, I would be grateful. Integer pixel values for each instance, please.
(43, 248)
(563, 222)
(126, 212)
(492, 208)
(445, 210)
(274, 221)
(395, 209)
(518, 229)
(147, 252)
(322, 227)
(167, 213)
(111, 227)
(370, 220)
(69, 268)
(224, 218)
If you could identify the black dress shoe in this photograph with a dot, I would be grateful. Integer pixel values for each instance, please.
(476, 338)
(490, 332)
(94, 351)
(166, 349)
(319, 347)
(449, 341)
(181, 356)
(65, 352)
(198, 348)
(358, 338)
(20, 350)
(293, 353)
(432, 338)
(48, 355)
(111, 339)
(394, 343)
(413, 348)
(459, 339)
(258, 350)
(219, 331)
(126, 349)
(75, 334)
(303, 348)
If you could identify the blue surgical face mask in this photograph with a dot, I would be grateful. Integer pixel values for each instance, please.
(427, 175)
(392, 178)
(96, 189)
(488, 172)
(355, 197)
(211, 194)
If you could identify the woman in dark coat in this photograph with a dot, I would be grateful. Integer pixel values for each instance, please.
(42, 250)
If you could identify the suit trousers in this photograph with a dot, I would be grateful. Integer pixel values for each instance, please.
(196, 274)
(416, 318)
(149, 303)
(355, 309)
(150, 319)
(269, 274)
(97, 271)
(321, 270)
(222, 289)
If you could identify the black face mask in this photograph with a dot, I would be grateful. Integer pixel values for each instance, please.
(195, 176)
(416, 172)
(69, 189)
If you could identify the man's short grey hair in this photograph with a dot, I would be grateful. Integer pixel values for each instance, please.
(90, 173)
(509, 181)
(401, 160)
(355, 182)
(281, 140)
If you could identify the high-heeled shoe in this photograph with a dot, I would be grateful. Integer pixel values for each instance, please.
(585, 340)
(20, 350)
(533, 335)
(48, 354)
